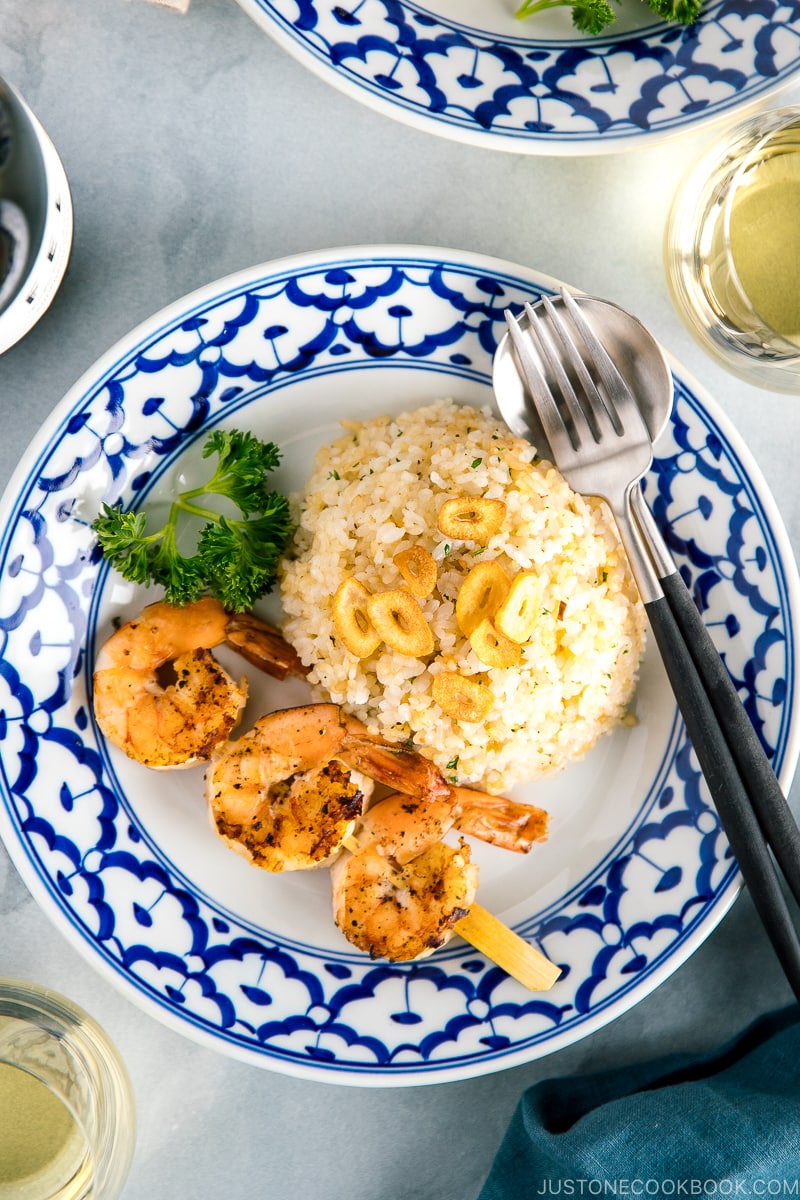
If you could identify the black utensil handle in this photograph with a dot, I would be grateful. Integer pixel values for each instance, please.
(727, 789)
(766, 796)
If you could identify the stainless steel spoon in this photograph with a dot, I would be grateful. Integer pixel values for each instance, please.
(636, 353)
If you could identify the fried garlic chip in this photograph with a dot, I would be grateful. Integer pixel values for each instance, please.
(461, 696)
(517, 616)
(471, 518)
(494, 648)
(400, 622)
(482, 592)
(418, 568)
(351, 618)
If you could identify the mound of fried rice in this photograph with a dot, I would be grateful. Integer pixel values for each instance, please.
(377, 491)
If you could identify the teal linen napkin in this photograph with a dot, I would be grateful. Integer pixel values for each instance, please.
(727, 1124)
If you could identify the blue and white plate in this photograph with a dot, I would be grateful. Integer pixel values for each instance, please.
(635, 873)
(469, 70)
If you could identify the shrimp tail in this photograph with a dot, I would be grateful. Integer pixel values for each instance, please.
(506, 823)
(262, 646)
(391, 763)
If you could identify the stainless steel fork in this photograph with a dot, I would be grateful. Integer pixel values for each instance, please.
(601, 445)
(599, 441)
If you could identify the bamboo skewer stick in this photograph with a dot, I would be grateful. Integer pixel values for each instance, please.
(519, 958)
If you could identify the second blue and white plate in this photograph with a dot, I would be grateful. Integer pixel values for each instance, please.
(470, 71)
(636, 871)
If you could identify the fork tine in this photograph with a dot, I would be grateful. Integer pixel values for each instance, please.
(575, 416)
(618, 399)
(597, 410)
(594, 410)
(555, 430)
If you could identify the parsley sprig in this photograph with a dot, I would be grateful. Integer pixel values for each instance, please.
(592, 16)
(236, 556)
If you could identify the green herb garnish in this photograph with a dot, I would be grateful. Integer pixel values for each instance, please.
(592, 16)
(236, 555)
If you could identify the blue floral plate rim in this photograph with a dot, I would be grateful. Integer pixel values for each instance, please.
(540, 86)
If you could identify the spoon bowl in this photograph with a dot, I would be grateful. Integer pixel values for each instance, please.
(636, 353)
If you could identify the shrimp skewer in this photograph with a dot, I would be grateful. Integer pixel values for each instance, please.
(402, 893)
(159, 693)
(286, 793)
(507, 949)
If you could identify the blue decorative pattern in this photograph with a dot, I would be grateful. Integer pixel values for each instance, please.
(323, 1010)
(523, 92)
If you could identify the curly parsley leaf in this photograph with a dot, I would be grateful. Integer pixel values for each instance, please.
(589, 16)
(684, 11)
(237, 553)
(592, 16)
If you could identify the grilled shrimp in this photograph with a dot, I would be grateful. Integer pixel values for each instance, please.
(159, 693)
(286, 794)
(399, 895)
